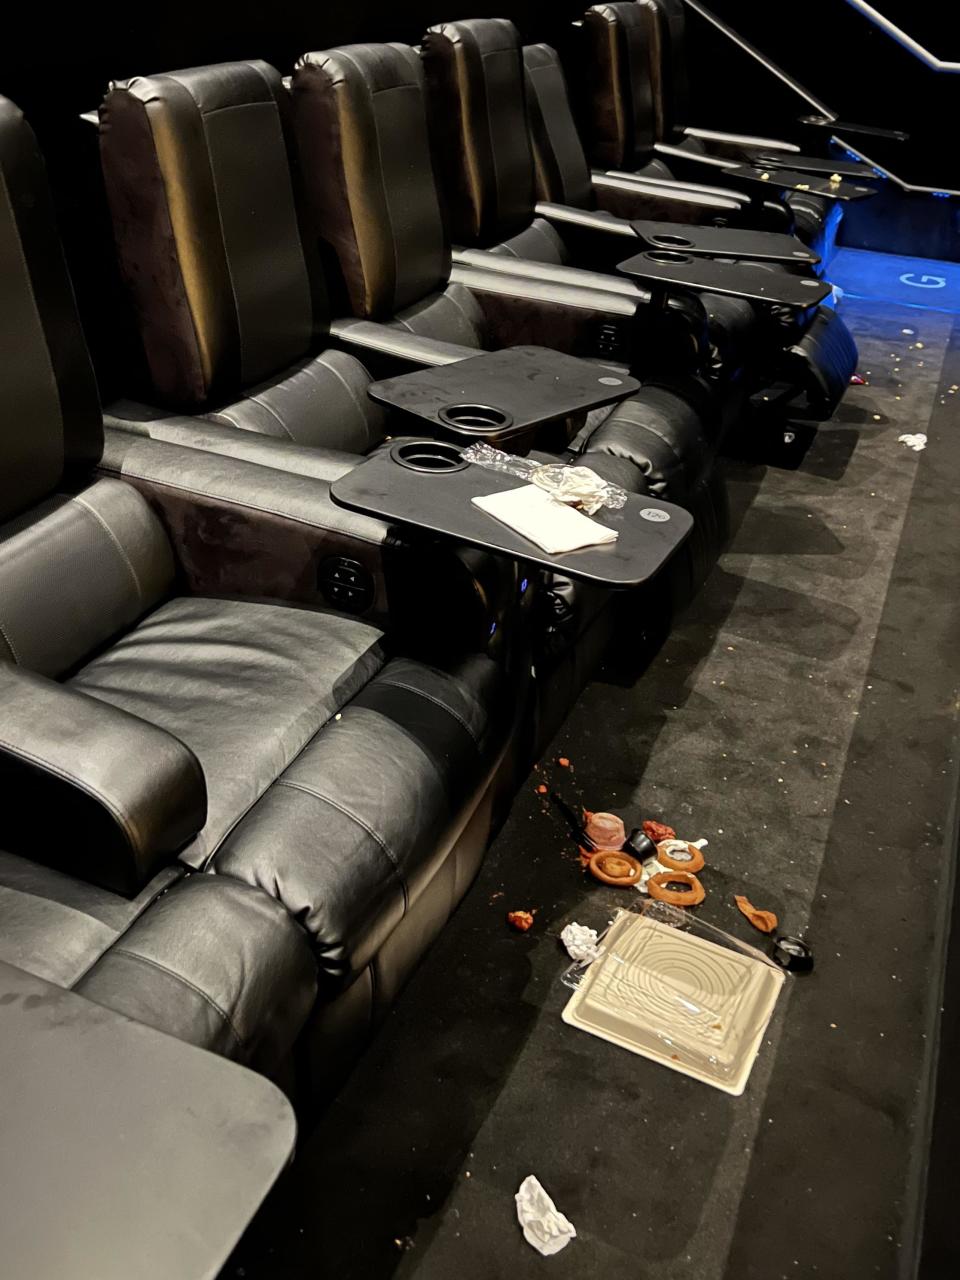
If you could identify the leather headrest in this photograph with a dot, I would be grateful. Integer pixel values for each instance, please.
(563, 175)
(477, 112)
(361, 127)
(197, 175)
(623, 98)
(49, 408)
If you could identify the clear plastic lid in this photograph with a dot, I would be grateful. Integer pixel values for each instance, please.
(675, 989)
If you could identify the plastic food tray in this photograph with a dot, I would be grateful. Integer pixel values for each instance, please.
(696, 1006)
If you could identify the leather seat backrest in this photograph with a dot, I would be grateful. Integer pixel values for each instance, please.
(622, 89)
(361, 128)
(73, 570)
(477, 112)
(563, 175)
(49, 409)
(675, 78)
(197, 175)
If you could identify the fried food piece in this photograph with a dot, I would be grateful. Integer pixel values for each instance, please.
(522, 921)
(765, 921)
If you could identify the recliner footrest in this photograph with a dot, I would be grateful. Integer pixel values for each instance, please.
(823, 362)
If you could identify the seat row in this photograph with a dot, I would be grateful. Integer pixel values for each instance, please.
(254, 744)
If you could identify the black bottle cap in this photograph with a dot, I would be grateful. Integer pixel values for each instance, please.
(640, 845)
(791, 954)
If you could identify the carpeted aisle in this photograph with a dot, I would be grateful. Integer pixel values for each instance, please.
(803, 717)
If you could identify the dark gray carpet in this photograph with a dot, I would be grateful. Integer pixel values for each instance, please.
(803, 717)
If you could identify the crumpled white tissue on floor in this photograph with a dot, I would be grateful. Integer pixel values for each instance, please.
(581, 942)
(915, 441)
(544, 1226)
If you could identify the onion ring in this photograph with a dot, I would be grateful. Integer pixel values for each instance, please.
(687, 858)
(610, 866)
(690, 897)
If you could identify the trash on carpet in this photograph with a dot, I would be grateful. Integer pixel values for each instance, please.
(857, 381)
(544, 1226)
(658, 831)
(612, 866)
(672, 988)
(522, 921)
(765, 921)
(581, 942)
(678, 888)
(603, 830)
(915, 440)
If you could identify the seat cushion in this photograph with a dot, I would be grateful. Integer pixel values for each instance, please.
(203, 958)
(540, 242)
(661, 434)
(321, 402)
(245, 685)
(215, 963)
(57, 927)
(361, 820)
(451, 316)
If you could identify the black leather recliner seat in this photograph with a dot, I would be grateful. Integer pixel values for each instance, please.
(810, 355)
(220, 799)
(632, 75)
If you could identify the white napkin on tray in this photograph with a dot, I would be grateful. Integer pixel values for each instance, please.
(554, 527)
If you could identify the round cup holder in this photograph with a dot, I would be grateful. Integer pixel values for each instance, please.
(483, 419)
(432, 457)
(669, 258)
(672, 241)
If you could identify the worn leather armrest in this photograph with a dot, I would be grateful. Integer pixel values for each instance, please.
(587, 219)
(90, 788)
(581, 283)
(359, 336)
(640, 196)
(214, 437)
(718, 139)
(240, 528)
(655, 186)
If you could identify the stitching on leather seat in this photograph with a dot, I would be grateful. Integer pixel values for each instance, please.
(410, 688)
(9, 643)
(179, 977)
(82, 502)
(348, 813)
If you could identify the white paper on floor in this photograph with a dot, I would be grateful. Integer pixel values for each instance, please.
(915, 441)
(544, 1226)
(581, 942)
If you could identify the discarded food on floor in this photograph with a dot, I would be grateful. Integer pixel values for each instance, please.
(765, 921)
(915, 440)
(658, 831)
(603, 830)
(678, 855)
(522, 921)
(679, 888)
(543, 1225)
(581, 942)
(614, 867)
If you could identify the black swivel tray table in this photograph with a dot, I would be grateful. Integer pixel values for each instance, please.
(427, 485)
(725, 242)
(500, 396)
(661, 268)
(792, 180)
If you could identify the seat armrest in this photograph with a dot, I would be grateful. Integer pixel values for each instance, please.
(654, 186)
(253, 530)
(214, 437)
(586, 219)
(244, 529)
(524, 270)
(670, 201)
(91, 789)
(358, 336)
(738, 142)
